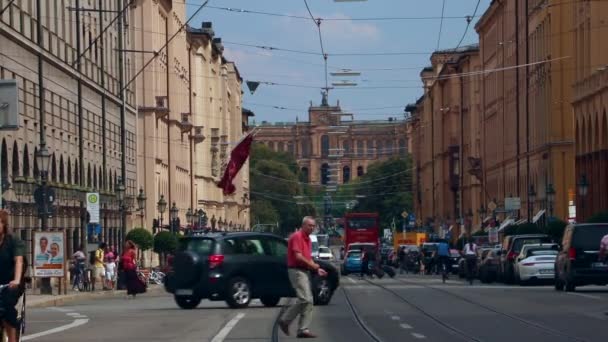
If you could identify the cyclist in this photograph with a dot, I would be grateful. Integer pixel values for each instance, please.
(80, 263)
(470, 254)
(12, 273)
(443, 253)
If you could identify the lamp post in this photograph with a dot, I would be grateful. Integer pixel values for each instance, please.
(141, 205)
(583, 188)
(190, 218)
(531, 200)
(120, 195)
(202, 218)
(44, 199)
(550, 193)
(173, 214)
(161, 205)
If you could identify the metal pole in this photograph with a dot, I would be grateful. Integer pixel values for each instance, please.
(123, 143)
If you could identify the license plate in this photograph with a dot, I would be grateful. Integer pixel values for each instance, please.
(184, 292)
(546, 271)
(599, 265)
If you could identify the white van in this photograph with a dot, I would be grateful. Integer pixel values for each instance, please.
(315, 246)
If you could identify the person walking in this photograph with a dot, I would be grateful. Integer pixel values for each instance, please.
(99, 270)
(364, 263)
(300, 264)
(12, 272)
(129, 265)
(402, 260)
(470, 254)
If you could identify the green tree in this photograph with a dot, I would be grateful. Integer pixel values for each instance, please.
(142, 238)
(601, 217)
(165, 243)
(387, 189)
(262, 211)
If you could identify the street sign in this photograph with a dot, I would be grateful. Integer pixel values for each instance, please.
(93, 206)
(9, 105)
(512, 203)
(404, 214)
(492, 206)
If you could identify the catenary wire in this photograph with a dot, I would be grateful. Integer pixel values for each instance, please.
(441, 24)
(469, 20)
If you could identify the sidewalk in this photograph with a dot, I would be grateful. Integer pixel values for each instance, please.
(43, 301)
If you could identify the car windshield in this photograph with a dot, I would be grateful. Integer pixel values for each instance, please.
(361, 222)
(541, 252)
(588, 238)
(198, 246)
(354, 254)
(324, 250)
(519, 243)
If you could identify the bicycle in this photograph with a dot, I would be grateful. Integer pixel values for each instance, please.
(157, 277)
(20, 316)
(444, 272)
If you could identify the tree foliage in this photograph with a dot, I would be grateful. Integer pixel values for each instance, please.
(263, 211)
(142, 238)
(165, 242)
(555, 229)
(386, 188)
(601, 217)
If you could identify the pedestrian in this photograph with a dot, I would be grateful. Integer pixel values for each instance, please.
(300, 264)
(135, 285)
(402, 260)
(110, 272)
(364, 262)
(79, 267)
(470, 254)
(98, 267)
(12, 272)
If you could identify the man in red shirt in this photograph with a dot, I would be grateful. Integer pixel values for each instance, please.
(300, 263)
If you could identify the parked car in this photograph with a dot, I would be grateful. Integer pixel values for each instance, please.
(454, 261)
(352, 262)
(325, 254)
(511, 248)
(535, 262)
(238, 267)
(577, 262)
(488, 267)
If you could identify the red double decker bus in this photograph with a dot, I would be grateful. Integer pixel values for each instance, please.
(361, 228)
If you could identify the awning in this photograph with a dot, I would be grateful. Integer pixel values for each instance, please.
(505, 224)
(538, 216)
(487, 219)
(522, 221)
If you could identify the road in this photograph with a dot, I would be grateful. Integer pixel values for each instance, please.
(406, 308)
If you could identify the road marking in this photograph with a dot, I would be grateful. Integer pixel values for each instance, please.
(72, 314)
(584, 295)
(74, 324)
(351, 280)
(227, 328)
(405, 326)
(395, 318)
(416, 335)
(60, 309)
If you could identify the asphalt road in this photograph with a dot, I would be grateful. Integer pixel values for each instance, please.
(407, 308)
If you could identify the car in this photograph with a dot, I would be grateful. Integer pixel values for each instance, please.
(535, 262)
(352, 262)
(488, 266)
(325, 254)
(237, 267)
(454, 260)
(511, 249)
(577, 262)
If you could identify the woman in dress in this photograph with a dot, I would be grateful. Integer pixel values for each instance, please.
(12, 272)
(129, 266)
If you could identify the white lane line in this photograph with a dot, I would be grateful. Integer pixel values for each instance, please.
(80, 316)
(405, 326)
(74, 324)
(416, 335)
(585, 295)
(72, 314)
(351, 280)
(395, 318)
(60, 309)
(227, 328)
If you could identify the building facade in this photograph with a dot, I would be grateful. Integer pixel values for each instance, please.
(526, 130)
(590, 102)
(72, 103)
(189, 116)
(328, 142)
(446, 141)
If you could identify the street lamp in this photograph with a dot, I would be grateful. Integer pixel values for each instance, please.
(44, 199)
(173, 214)
(202, 218)
(550, 192)
(161, 205)
(531, 200)
(141, 204)
(583, 188)
(190, 217)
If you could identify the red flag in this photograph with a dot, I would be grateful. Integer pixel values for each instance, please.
(238, 156)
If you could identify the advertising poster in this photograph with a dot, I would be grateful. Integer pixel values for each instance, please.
(49, 254)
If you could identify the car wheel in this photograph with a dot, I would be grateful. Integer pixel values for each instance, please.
(238, 293)
(322, 291)
(187, 302)
(270, 301)
(569, 285)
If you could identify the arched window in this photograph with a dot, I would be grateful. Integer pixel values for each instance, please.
(359, 171)
(304, 175)
(271, 145)
(61, 170)
(4, 162)
(281, 146)
(53, 168)
(402, 147)
(15, 160)
(69, 171)
(26, 162)
(89, 177)
(324, 146)
(346, 174)
(306, 148)
(36, 170)
(94, 178)
(76, 173)
(324, 173)
(346, 147)
(360, 148)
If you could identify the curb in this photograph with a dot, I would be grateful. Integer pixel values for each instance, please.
(64, 299)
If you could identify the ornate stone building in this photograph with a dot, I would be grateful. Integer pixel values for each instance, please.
(590, 101)
(328, 141)
(189, 118)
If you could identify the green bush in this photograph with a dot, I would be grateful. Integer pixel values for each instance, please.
(165, 243)
(601, 217)
(142, 238)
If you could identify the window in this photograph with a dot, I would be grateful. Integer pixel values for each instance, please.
(198, 246)
(243, 246)
(304, 175)
(324, 146)
(402, 147)
(276, 248)
(346, 174)
(346, 147)
(324, 174)
(359, 171)
(360, 148)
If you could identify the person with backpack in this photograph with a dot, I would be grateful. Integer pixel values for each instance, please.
(470, 254)
(12, 272)
(98, 267)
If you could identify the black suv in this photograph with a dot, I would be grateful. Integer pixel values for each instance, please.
(238, 267)
(577, 263)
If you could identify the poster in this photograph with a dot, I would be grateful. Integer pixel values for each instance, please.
(49, 254)
(93, 207)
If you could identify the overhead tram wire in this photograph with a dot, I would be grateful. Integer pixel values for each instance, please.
(441, 24)
(469, 20)
(325, 56)
(165, 45)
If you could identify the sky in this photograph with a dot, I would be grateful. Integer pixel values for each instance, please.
(379, 94)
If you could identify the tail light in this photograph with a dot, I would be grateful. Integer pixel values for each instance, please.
(572, 253)
(511, 255)
(528, 264)
(215, 261)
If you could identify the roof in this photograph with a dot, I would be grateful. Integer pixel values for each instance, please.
(247, 112)
(462, 49)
